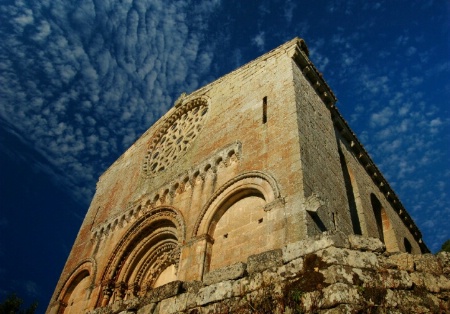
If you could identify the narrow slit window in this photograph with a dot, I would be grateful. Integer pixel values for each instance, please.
(264, 117)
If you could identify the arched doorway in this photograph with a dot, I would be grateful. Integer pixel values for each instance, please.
(146, 257)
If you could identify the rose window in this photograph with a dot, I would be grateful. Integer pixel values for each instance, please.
(175, 137)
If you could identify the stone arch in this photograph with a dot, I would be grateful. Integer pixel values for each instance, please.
(407, 245)
(149, 247)
(385, 231)
(255, 181)
(353, 197)
(234, 218)
(75, 291)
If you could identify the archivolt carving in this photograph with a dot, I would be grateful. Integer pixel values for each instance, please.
(249, 181)
(175, 136)
(150, 244)
(137, 259)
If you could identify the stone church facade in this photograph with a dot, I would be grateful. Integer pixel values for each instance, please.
(253, 162)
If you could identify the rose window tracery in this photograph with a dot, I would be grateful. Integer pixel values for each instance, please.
(176, 136)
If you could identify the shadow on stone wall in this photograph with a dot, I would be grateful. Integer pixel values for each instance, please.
(331, 273)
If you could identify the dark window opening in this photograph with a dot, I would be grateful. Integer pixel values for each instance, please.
(408, 246)
(350, 195)
(264, 118)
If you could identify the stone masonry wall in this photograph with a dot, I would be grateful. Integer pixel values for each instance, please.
(362, 189)
(332, 273)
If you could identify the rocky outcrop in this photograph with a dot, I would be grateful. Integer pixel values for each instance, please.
(331, 273)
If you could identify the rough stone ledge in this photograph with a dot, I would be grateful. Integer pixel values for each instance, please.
(338, 256)
(163, 292)
(301, 248)
(360, 243)
(444, 260)
(339, 293)
(213, 293)
(346, 280)
(260, 262)
(427, 263)
(192, 286)
(401, 261)
(234, 271)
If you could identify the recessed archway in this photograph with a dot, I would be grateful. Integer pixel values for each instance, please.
(147, 256)
(238, 229)
(74, 294)
(385, 231)
(236, 219)
(407, 245)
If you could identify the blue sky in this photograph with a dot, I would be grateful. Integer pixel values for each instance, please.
(81, 80)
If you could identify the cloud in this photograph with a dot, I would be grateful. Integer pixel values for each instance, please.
(80, 73)
(289, 7)
(381, 118)
(259, 41)
(32, 288)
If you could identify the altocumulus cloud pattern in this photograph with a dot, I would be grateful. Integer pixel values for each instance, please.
(81, 79)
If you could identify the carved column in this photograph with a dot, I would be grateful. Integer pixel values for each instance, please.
(194, 256)
(107, 290)
(121, 289)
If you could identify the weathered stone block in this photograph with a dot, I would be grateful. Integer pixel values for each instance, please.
(337, 256)
(395, 279)
(340, 273)
(339, 293)
(402, 261)
(427, 281)
(270, 277)
(240, 286)
(427, 263)
(343, 309)
(301, 248)
(364, 276)
(412, 301)
(444, 260)
(175, 304)
(444, 283)
(147, 309)
(165, 291)
(132, 304)
(260, 262)
(291, 269)
(192, 286)
(361, 243)
(234, 271)
(215, 292)
(255, 281)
